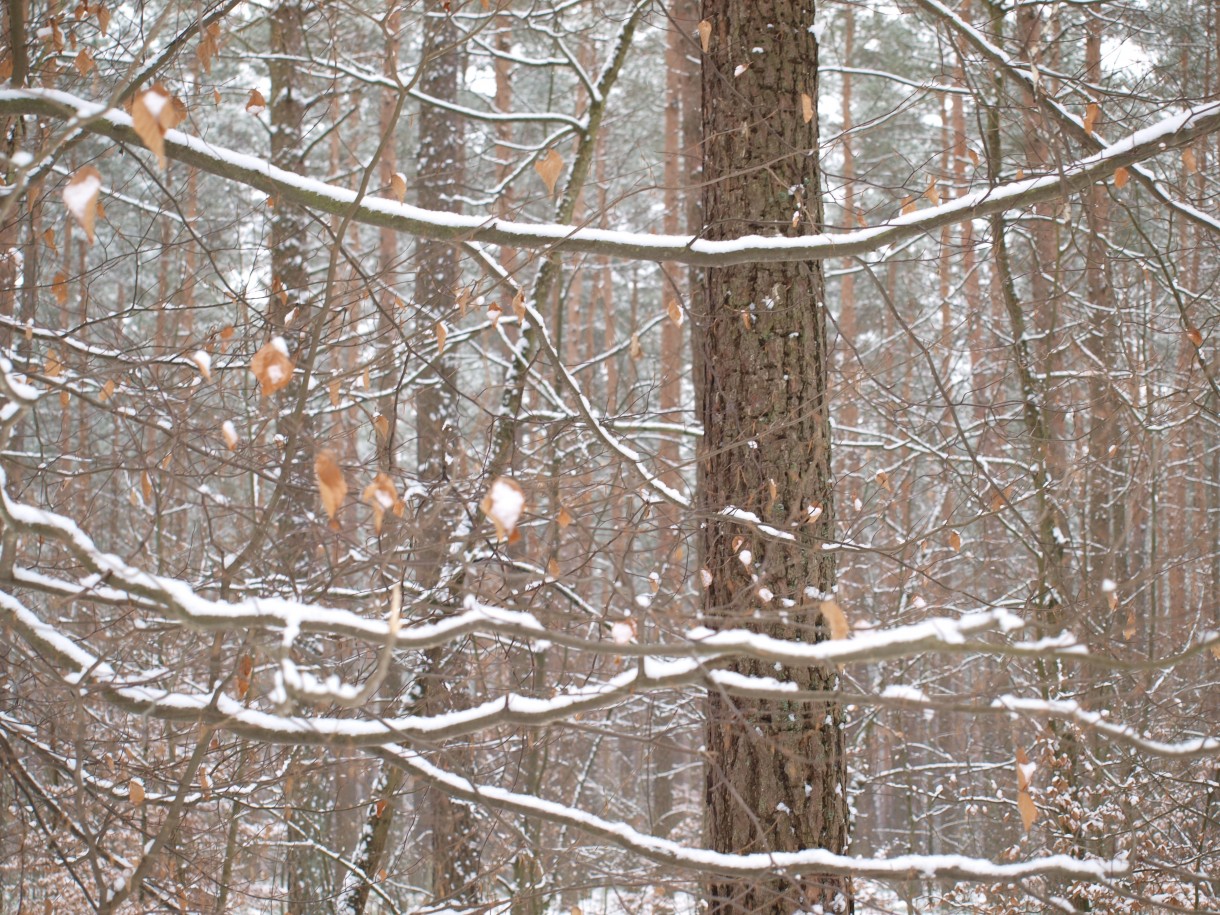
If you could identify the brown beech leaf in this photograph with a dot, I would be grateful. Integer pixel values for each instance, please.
(80, 197)
(152, 113)
(84, 62)
(1025, 803)
(806, 107)
(398, 186)
(955, 541)
(675, 312)
(272, 367)
(564, 518)
(836, 621)
(908, 205)
(519, 304)
(932, 193)
(549, 168)
(503, 504)
(256, 104)
(107, 390)
(331, 485)
(442, 334)
(635, 350)
(336, 392)
(103, 17)
(382, 424)
(59, 287)
(229, 431)
(245, 669)
(382, 496)
(705, 35)
(1121, 177)
(1189, 160)
(1194, 335)
(135, 791)
(53, 368)
(1092, 112)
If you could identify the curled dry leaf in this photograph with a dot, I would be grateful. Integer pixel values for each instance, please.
(203, 361)
(705, 35)
(635, 350)
(135, 791)
(398, 186)
(806, 107)
(835, 619)
(382, 496)
(675, 312)
(1091, 113)
(548, 169)
(84, 62)
(331, 485)
(272, 367)
(442, 334)
(519, 304)
(1121, 177)
(80, 197)
(245, 670)
(564, 518)
(1189, 160)
(381, 423)
(503, 504)
(932, 192)
(256, 104)
(153, 112)
(1025, 803)
(59, 287)
(53, 367)
(1194, 335)
(955, 541)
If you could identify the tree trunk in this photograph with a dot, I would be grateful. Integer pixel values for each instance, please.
(455, 856)
(775, 772)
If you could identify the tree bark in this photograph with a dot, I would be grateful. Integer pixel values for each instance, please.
(775, 772)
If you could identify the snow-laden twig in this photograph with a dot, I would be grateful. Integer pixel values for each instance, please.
(1171, 132)
(760, 864)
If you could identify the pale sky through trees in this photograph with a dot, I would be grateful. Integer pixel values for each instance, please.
(610, 456)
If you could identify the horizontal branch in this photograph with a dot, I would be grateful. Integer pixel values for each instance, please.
(1174, 131)
(759, 864)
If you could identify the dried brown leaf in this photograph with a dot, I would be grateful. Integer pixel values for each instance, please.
(331, 484)
(272, 367)
(549, 168)
(80, 197)
(835, 619)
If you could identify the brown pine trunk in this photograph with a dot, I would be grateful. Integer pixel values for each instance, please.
(775, 772)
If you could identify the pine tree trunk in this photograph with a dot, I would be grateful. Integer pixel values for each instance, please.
(776, 772)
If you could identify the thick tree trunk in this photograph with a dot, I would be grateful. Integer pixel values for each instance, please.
(776, 772)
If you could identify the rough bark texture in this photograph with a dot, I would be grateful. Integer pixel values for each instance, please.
(776, 772)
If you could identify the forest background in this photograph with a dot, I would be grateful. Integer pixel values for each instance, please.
(609, 454)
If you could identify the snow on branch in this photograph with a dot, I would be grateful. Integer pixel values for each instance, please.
(1173, 131)
(761, 864)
